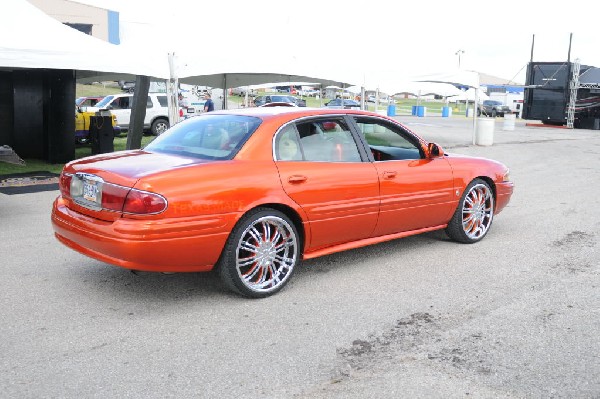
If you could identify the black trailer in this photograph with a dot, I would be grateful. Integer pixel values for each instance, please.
(547, 94)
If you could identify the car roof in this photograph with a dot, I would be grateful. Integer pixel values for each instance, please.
(131, 95)
(290, 112)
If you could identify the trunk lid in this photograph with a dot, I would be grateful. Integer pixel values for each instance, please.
(113, 174)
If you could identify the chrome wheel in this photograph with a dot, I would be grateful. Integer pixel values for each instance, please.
(266, 254)
(159, 127)
(477, 211)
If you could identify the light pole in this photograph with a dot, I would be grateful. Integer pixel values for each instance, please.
(459, 52)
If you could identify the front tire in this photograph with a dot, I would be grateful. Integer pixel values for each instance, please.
(474, 215)
(261, 254)
(159, 126)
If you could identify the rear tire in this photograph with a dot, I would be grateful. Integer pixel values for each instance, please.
(159, 126)
(474, 215)
(260, 254)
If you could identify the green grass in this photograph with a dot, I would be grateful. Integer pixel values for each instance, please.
(32, 165)
(36, 165)
(96, 90)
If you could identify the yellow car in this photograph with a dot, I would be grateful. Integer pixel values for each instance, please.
(82, 125)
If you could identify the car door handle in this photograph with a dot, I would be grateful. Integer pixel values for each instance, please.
(389, 175)
(296, 179)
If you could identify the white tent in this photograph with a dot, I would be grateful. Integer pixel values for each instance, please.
(468, 80)
(31, 39)
(235, 70)
(458, 77)
(427, 88)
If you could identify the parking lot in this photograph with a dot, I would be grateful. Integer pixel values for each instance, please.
(515, 315)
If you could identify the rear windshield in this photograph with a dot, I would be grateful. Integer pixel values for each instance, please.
(211, 137)
(282, 99)
(104, 102)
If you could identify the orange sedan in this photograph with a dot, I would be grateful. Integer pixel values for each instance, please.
(252, 192)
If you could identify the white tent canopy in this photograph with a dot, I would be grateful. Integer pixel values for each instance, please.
(457, 77)
(428, 88)
(235, 70)
(31, 39)
(61, 47)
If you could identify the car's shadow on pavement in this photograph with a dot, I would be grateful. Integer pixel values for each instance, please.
(135, 286)
(359, 256)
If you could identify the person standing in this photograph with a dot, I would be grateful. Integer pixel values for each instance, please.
(209, 105)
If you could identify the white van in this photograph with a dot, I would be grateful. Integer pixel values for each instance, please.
(157, 111)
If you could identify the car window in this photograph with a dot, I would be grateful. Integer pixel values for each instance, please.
(388, 142)
(120, 103)
(287, 146)
(323, 140)
(210, 137)
(162, 100)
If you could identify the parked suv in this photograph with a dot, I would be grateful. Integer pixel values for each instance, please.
(493, 108)
(157, 111)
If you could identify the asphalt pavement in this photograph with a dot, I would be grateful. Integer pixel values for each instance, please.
(516, 315)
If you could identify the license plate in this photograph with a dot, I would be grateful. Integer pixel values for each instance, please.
(90, 190)
(191, 110)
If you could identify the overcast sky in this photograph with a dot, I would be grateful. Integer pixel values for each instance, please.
(411, 38)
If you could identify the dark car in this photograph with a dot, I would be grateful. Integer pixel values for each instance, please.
(493, 108)
(127, 86)
(347, 104)
(278, 98)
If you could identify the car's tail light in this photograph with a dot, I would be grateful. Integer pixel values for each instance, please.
(144, 202)
(110, 197)
(129, 200)
(113, 197)
(64, 184)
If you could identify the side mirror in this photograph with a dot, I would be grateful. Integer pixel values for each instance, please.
(434, 150)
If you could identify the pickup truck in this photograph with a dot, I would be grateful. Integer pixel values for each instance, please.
(493, 108)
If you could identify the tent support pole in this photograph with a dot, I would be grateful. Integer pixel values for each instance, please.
(172, 92)
(224, 91)
(363, 102)
(475, 113)
(138, 113)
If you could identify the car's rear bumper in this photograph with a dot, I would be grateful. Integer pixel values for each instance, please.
(171, 245)
(504, 191)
